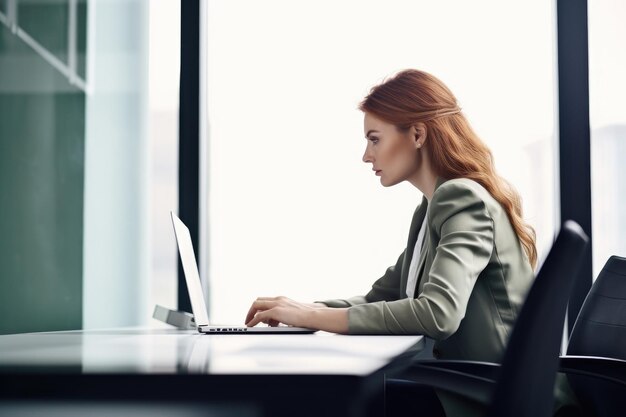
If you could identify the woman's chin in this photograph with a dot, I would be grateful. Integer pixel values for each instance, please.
(387, 184)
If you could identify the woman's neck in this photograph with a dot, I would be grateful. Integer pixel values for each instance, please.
(425, 181)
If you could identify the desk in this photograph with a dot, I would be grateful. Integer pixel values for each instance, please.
(257, 375)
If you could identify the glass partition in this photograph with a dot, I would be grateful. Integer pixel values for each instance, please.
(88, 165)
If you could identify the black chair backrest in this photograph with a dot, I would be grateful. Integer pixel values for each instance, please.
(600, 329)
(527, 376)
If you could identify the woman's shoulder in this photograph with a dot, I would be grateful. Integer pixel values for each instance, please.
(461, 196)
(459, 189)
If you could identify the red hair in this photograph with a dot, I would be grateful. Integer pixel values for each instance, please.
(456, 151)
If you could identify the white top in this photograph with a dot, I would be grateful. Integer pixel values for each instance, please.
(412, 278)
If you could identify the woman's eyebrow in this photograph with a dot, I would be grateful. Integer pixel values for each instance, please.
(371, 131)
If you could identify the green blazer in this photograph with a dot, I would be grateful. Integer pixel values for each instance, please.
(473, 276)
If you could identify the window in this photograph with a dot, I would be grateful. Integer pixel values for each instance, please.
(607, 88)
(292, 208)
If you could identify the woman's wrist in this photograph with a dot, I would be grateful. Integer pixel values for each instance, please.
(333, 320)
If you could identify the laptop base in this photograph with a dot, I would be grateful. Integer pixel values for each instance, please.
(254, 330)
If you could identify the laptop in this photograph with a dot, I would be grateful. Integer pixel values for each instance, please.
(201, 318)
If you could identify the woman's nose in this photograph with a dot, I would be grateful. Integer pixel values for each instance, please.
(366, 156)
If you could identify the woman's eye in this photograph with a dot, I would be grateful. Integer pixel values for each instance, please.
(374, 140)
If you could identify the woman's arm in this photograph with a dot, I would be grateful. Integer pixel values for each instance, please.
(328, 315)
(317, 315)
(275, 310)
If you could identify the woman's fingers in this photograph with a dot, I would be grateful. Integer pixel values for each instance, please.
(260, 304)
(264, 310)
(260, 317)
(273, 317)
(253, 310)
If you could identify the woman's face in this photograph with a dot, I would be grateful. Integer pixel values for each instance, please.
(391, 152)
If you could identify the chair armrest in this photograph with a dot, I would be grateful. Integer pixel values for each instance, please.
(486, 370)
(609, 369)
(475, 388)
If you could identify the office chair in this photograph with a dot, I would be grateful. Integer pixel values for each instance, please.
(596, 355)
(523, 385)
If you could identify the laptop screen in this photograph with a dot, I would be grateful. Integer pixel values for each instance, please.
(190, 268)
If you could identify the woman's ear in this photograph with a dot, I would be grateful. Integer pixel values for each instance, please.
(419, 132)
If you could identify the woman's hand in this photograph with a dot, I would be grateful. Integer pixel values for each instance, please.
(276, 310)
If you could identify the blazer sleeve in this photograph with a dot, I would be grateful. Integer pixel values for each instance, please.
(386, 288)
(459, 217)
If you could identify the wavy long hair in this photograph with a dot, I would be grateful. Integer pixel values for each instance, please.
(456, 151)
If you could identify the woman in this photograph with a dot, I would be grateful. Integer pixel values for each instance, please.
(469, 258)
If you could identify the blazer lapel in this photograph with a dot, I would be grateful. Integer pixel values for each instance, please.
(421, 270)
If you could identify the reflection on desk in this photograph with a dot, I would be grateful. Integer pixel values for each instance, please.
(181, 352)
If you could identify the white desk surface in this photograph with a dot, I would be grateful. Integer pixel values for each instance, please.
(182, 352)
